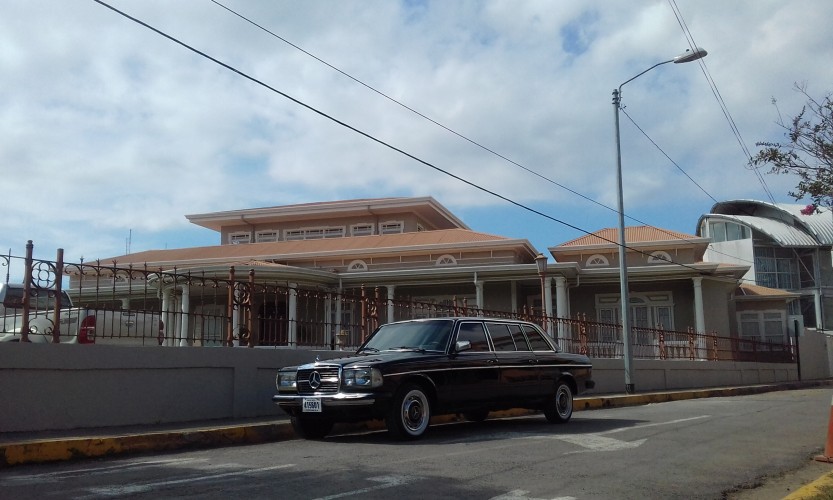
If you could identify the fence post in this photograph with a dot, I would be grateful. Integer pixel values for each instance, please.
(714, 345)
(56, 315)
(27, 292)
(364, 299)
(691, 343)
(663, 353)
(249, 307)
(230, 309)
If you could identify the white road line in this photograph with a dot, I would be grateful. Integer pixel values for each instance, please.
(387, 482)
(521, 495)
(128, 489)
(644, 426)
(55, 476)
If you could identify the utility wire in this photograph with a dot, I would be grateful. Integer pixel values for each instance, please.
(460, 135)
(373, 138)
(719, 98)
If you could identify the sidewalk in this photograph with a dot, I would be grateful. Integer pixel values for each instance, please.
(49, 446)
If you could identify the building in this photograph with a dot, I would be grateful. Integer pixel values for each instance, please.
(306, 260)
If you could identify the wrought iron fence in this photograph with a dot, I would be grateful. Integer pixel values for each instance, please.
(142, 306)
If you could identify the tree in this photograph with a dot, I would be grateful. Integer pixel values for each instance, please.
(807, 154)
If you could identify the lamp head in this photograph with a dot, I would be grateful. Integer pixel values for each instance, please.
(541, 261)
(690, 55)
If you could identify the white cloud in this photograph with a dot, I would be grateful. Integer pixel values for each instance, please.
(109, 127)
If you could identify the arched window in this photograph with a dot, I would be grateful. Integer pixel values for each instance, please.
(597, 261)
(659, 257)
(357, 265)
(446, 260)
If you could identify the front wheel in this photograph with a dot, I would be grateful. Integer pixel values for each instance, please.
(409, 416)
(559, 409)
(311, 428)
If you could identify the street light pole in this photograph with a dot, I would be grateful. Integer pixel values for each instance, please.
(627, 354)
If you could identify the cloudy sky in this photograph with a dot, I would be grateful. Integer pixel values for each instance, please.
(111, 131)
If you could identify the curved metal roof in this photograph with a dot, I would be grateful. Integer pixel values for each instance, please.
(781, 221)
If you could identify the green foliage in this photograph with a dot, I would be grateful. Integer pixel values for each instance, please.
(808, 152)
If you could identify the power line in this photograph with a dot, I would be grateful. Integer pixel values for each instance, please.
(458, 134)
(718, 97)
(371, 137)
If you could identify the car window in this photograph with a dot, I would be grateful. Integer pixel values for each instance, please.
(518, 335)
(536, 340)
(474, 333)
(501, 336)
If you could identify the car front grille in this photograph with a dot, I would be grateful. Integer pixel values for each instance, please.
(329, 380)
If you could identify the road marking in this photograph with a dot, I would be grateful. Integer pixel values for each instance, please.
(56, 476)
(521, 495)
(129, 489)
(387, 482)
(595, 442)
(644, 426)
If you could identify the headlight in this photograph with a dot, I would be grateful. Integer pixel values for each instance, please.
(285, 381)
(362, 377)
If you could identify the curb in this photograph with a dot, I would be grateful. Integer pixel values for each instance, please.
(62, 449)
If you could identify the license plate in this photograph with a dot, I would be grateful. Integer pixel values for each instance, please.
(311, 405)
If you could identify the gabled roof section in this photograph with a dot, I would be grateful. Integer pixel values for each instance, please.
(283, 251)
(765, 217)
(634, 236)
(754, 292)
(427, 208)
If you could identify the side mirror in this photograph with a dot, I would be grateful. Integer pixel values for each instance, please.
(462, 345)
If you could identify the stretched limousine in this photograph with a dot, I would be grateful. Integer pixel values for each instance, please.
(408, 371)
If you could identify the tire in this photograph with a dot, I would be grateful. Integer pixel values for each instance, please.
(410, 413)
(311, 428)
(476, 415)
(560, 408)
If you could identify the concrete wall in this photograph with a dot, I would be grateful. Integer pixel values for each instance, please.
(51, 387)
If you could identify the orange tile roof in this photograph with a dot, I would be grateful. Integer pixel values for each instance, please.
(749, 290)
(282, 250)
(635, 234)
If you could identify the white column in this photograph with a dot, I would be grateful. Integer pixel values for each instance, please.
(478, 285)
(391, 311)
(293, 315)
(185, 304)
(167, 317)
(699, 317)
(235, 319)
(547, 298)
(561, 306)
(817, 302)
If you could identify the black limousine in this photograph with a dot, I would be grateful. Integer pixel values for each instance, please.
(408, 371)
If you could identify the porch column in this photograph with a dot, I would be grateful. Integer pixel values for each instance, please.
(391, 289)
(561, 307)
(168, 303)
(819, 318)
(699, 318)
(478, 285)
(292, 314)
(547, 298)
(184, 306)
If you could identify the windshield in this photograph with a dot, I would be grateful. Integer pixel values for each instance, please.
(417, 335)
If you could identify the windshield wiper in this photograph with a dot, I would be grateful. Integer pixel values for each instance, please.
(370, 349)
(410, 348)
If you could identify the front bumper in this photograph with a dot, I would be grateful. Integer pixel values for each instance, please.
(327, 400)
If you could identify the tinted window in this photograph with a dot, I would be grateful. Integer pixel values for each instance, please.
(520, 340)
(474, 333)
(536, 340)
(428, 335)
(501, 337)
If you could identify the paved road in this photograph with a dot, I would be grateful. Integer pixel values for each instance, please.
(684, 449)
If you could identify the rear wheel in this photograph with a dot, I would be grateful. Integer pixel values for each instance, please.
(410, 413)
(559, 409)
(311, 428)
(476, 415)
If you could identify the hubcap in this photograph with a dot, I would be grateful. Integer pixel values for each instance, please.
(413, 412)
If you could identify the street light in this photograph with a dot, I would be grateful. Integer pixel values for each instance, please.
(685, 57)
(541, 261)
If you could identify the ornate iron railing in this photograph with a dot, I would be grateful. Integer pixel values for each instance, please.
(142, 306)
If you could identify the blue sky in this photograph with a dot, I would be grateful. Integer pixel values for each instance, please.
(112, 130)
